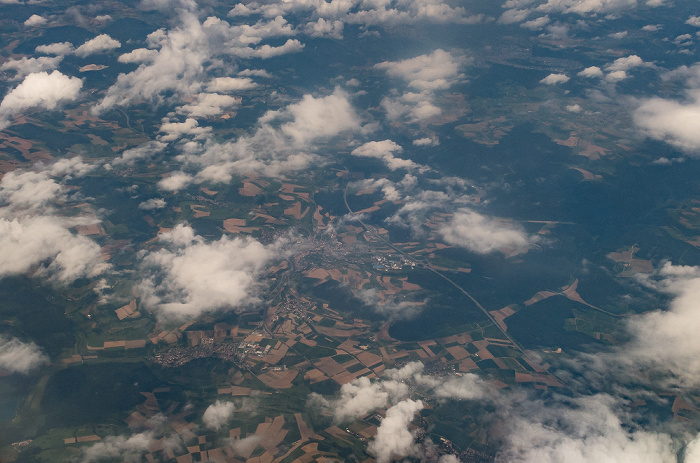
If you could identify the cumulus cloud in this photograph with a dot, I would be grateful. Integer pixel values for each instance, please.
(427, 74)
(25, 66)
(436, 71)
(99, 44)
(393, 439)
(555, 79)
(33, 238)
(480, 234)
(360, 397)
(20, 357)
(536, 24)
(231, 84)
(208, 105)
(35, 20)
(27, 243)
(693, 21)
(60, 48)
(179, 61)
(592, 71)
(625, 64)
(218, 414)
(138, 55)
(175, 181)
(675, 122)
(665, 339)
(366, 13)
(384, 150)
(189, 276)
(127, 449)
(42, 90)
(426, 141)
(153, 204)
(585, 429)
(283, 141)
(142, 152)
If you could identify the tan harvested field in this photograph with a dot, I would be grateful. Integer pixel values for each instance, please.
(458, 352)
(338, 332)
(462, 338)
(467, 365)
(278, 379)
(329, 366)
(368, 359)
(127, 310)
(483, 353)
(207, 191)
(588, 175)
(569, 142)
(539, 296)
(304, 429)
(249, 189)
(198, 211)
(343, 377)
(317, 273)
(92, 229)
(406, 286)
(315, 376)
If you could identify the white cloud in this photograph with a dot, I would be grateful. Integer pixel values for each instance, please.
(677, 123)
(393, 439)
(218, 414)
(190, 276)
(555, 79)
(20, 357)
(180, 60)
(693, 21)
(325, 28)
(514, 16)
(360, 397)
(39, 90)
(536, 24)
(255, 73)
(426, 141)
(268, 51)
(314, 118)
(574, 108)
(59, 49)
(142, 152)
(28, 189)
(99, 44)
(666, 339)
(592, 71)
(482, 235)
(208, 105)
(616, 76)
(138, 55)
(436, 71)
(652, 27)
(625, 64)
(385, 150)
(35, 20)
(126, 449)
(25, 66)
(175, 181)
(586, 7)
(153, 204)
(175, 130)
(618, 35)
(26, 243)
(585, 430)
(231, 84)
